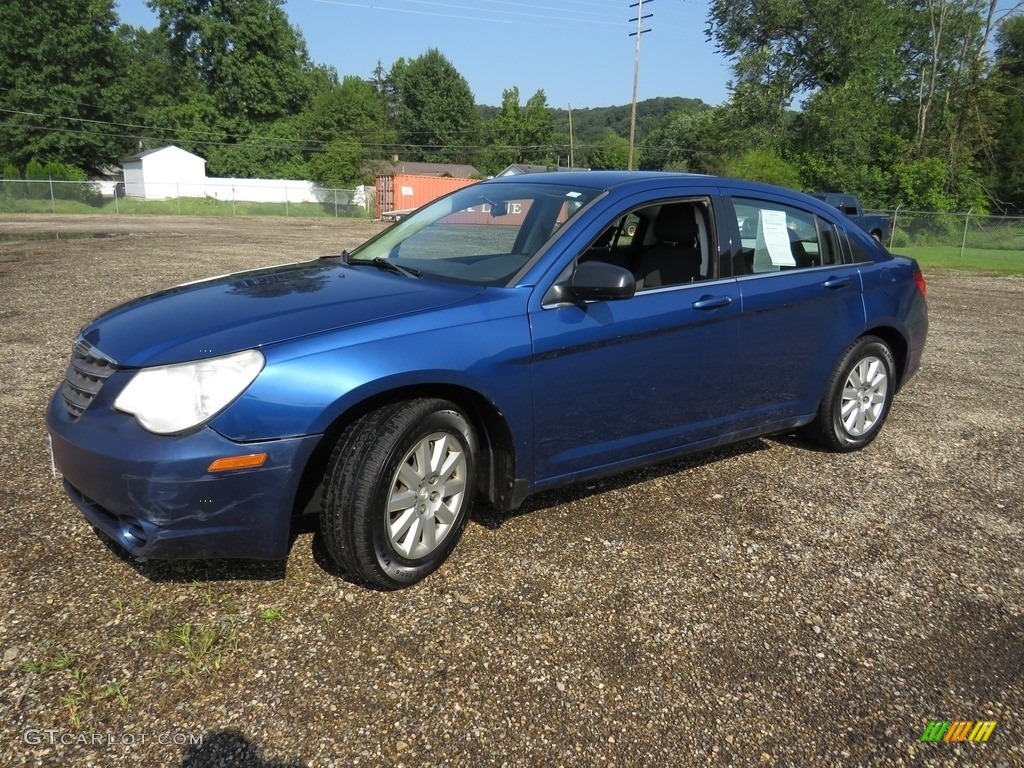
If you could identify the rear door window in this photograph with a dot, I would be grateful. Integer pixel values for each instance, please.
(776, 237)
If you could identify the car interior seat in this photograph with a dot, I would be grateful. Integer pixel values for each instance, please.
(800, 255)
(602, 250)
(676, 256)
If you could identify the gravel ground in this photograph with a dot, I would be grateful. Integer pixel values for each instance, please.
(765, 605)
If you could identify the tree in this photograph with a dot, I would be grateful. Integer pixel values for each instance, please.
(349, 127)
(956, 104)
(437, 119)
(59, 64)
(384, 82)
(519, 134)
(884, 85)
(827, 50)
(611, 152)
(238, 66)
(245, 52)
(764, 165)
(800, 47)
(503, 133)
(1006, 161)
(277, 150)
(150, 79)
(841, 141)
(591, 123)
(672, 145)
(538, 129)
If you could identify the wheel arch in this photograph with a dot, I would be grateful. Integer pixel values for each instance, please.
(897, 342)
(497, 461)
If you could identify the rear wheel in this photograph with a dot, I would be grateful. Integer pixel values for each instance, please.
(858, 397)
(398, 492)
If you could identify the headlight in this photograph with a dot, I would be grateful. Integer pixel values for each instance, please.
(173, 398)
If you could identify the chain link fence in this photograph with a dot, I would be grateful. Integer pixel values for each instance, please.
(214, 197)
(251, 197)
(964, 231)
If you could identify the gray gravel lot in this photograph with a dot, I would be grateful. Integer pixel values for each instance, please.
(765, 605)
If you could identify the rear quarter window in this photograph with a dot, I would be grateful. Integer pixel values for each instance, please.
(857, 253)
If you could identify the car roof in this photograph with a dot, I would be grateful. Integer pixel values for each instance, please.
(598, 179)
(612, 180)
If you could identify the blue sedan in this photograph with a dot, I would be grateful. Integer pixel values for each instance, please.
(516, 335)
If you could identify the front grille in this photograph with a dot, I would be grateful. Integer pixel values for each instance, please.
(88, 370)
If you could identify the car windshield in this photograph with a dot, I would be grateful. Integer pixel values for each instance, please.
(482, 234)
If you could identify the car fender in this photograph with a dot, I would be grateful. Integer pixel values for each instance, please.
(307, 385)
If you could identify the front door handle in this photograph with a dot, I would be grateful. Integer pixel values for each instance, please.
(836, 282)
(712, 302)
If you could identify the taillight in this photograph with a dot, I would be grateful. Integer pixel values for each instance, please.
(922, 286)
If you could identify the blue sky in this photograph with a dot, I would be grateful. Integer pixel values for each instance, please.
(578, 51)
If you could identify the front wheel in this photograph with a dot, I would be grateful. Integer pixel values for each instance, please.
(858, 397)
(398, 491)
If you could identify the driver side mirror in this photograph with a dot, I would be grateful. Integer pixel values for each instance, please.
(600, 280)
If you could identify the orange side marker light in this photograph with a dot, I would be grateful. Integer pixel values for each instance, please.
(237, 462)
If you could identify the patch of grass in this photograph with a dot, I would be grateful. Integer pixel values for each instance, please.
(146, 609)
(271, 614)
(184, 206)
(114, 690)
(203, 646)
(230, 606)
(51, 657)
(974, 259)
(75, 679)
(197, 642)
(155, 643)
(159, 643)
(8, 205)
(78, 697)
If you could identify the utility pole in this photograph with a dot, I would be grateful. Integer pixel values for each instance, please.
(639, 5)
(571, 163)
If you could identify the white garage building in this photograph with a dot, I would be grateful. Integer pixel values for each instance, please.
(165, 172)
(171, 172)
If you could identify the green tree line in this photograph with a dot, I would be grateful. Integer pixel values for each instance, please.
(907, 103)
(916, 103)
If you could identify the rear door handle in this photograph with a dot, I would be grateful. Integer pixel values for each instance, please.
(836, 282)
(712, 302)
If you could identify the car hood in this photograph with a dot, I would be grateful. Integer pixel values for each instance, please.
(226, 314)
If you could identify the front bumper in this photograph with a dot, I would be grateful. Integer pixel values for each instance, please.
(153, 494)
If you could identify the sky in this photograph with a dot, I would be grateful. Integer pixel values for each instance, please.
(579, 51)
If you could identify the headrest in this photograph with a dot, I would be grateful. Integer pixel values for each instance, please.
(676, 223)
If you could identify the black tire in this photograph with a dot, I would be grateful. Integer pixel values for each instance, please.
(376, 461)
(849, 418)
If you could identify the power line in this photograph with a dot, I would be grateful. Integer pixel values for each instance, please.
(544, 19)
(189, 133)
(383, 146)
(607, 14)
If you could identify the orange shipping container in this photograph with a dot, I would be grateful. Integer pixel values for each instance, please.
(403, 192)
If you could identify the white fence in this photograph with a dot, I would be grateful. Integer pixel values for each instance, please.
(248, 190)
(214, 195)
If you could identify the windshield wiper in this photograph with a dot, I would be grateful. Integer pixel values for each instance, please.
(343, 256)
(389, 266)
